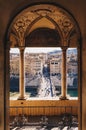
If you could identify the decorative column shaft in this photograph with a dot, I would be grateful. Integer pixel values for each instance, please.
(21, 81)
(63, 81)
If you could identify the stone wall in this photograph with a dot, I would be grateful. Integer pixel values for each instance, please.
(8, 10)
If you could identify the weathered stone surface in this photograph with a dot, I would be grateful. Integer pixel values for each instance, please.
(8, 10)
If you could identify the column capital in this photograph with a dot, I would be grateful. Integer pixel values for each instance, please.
(22, 48)
(64, 48)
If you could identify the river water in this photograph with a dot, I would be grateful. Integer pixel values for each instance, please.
(72, 93)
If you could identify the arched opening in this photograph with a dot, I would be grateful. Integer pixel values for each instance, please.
(43, 37)
(59, 30)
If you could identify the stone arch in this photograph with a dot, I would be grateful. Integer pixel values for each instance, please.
(61, 19)
(43, 37)
(68, 28)
(49, 23)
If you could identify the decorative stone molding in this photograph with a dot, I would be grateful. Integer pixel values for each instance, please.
(13, 40)
(22, 23)
(30, 15)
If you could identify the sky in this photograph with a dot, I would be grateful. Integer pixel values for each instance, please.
(35, 49)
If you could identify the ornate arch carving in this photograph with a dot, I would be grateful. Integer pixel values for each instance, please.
(62, 18)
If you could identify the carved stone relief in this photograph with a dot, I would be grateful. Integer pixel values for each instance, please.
(74, 39)
(13, 40)
(63, 20)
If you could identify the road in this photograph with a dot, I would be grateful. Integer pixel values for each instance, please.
(45, 89)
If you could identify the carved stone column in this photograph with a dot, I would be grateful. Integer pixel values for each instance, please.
(63, 80)
(21, 79)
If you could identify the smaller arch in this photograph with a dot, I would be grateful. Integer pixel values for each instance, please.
(45, 22)
(43, 37)
(39, 23)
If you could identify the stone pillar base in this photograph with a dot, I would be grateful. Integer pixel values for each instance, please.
(63, 98)
(22, 98)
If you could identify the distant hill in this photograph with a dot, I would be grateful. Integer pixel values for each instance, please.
(54, 52)
(74, 51)
(70, 51)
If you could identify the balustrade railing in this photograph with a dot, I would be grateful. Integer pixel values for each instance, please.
(49, 116)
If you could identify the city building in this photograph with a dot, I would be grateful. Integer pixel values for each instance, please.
(55, 66)
(34, 64)
(14, 64)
